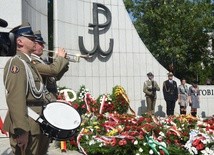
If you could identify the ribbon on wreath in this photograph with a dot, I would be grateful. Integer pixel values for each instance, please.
(152, 143)
(102, 104)
(78, 141)
(87, 96)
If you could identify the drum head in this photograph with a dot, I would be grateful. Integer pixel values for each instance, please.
(62, 116)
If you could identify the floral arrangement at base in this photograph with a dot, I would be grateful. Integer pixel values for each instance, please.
(107, 129)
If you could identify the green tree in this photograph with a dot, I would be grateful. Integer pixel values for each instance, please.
(176, 33)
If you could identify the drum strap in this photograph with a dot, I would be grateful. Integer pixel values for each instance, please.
(34, 115)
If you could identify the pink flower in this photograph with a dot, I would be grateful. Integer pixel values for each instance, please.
(122, 142)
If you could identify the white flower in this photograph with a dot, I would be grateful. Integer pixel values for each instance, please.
(161, 134)
(91, 142)
(140, 150)
(137, 154)
(151, 152)
(194, 150)
(135, 142)
(101, 145)
(207, 151)
(204, 141)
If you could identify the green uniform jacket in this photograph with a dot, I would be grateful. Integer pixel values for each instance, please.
(51, 72)
(53, 69)
(17, 120)
(149, 90)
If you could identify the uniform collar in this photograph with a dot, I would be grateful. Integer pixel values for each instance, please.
(24, 56)
(35, 56)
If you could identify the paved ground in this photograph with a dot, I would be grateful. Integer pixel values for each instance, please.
(53, 150)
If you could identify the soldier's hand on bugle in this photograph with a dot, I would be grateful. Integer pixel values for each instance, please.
(61, 53)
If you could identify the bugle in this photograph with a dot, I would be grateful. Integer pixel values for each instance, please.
(70, 57)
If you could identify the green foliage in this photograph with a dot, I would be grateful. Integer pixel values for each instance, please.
(176, 32)
(173, 149)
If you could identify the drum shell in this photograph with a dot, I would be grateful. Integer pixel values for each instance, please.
(54, 132)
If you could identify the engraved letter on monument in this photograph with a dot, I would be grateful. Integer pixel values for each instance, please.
(98, 29)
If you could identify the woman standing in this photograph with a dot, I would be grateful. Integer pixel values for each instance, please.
(194, 98)
(183, 96)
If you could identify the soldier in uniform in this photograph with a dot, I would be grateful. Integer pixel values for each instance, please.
(24, 88)
(150, 87)
(50, 72)
(170, 93)
(183, 96)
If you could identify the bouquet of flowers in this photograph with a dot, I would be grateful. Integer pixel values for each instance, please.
(107, 129)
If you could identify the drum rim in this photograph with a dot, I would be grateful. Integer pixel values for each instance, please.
(55, 126)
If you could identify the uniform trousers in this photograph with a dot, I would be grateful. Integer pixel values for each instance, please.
(150, 104)
(37, 145)
(170, 106)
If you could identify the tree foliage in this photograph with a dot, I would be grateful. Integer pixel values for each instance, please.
(176, 33)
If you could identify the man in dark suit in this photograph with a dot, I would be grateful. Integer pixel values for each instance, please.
(170, 92)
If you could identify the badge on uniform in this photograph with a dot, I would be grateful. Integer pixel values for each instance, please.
(14, 69)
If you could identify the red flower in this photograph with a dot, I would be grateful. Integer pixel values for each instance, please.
(75, 105)
(162, 152)
(113, 142)
(122, 142)
(200, 146)
(83, 106)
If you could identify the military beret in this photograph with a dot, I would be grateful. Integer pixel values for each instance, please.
(39, 37)
(23, 30)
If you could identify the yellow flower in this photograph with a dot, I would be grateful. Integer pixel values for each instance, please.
(85, 131)
(96, 127)
(112, 132)
(95, 123)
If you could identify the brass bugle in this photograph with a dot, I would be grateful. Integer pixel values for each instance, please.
(70, 57)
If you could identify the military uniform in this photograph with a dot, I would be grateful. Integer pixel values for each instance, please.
(150, 87)
(24, 88)
(18, 97)
(170, 92)
(50, 72)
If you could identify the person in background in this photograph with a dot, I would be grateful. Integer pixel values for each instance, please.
(170, 93)
(150, 87)
(50, 72)
(24, 88)
(183, 96)
(194, 101)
